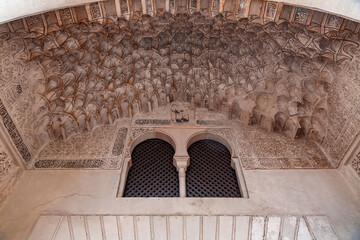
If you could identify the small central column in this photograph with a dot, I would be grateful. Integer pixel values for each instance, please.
(181, 163)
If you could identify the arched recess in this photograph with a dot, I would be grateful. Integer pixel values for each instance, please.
(152, 173)
(210, 136)
(210, 173)
(192, 173)
(129, 161)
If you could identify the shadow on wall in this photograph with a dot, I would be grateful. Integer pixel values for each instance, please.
(356, 235)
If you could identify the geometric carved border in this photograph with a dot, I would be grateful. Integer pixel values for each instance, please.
(152, 122)
(355, 164)
(284, 163)
(120, 141)
(83, 163)
(14, 133)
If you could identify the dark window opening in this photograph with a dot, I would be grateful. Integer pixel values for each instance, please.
(152, 173)
(210, 173)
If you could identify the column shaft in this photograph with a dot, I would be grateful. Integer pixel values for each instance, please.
(182, 182)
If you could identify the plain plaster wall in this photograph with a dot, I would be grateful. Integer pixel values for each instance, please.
(346, 8)
(272, 192)
(15, 9)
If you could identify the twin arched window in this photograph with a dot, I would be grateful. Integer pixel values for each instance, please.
(153, 174)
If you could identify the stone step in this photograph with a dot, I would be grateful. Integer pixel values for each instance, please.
(111, 227)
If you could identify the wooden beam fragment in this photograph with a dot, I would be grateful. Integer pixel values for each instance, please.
(309, 18)
(167, 5)
(323, 22)
(102, 8)
(247, 8)
(262, 12)
(58, 17)
(88, 12)
(278, 11)
(27, 29)
(221, 5)
(292, 14)
(117, 8)
(74, 15)
(357, 29)
(343, 24)
(143, 6)
(45, 23)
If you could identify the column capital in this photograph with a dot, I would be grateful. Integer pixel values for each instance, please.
(128, 161)
(181, 162)
(233, 161)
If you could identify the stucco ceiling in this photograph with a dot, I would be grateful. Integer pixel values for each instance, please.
(285, 69)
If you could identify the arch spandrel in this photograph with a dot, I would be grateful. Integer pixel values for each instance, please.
(151, 135)
(208, 135)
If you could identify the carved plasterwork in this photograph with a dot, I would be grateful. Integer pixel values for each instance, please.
(134, 133)
(34, 24)
(8, 175)
(257, 148)
(182, 113)
(344, 102)
(334, 21)
(84, 163)
(34, 20)
(95, 11)
(96, 144)
(241, 7)
(102, 148)
(271, 9)
(155, 122)
(193, 6)
(228, 135)
(21, 104)
(82, 76)
(156, 113)
(14, 133)
(125, 10)
(172, 8)
(301, 15)
(66, 15)
(271, 150)
(355, 163)
(133, 78)
(120, 141)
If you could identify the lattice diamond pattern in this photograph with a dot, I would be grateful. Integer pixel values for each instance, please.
(210, 173)
(152, 173)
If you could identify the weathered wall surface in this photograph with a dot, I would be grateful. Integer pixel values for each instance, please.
(344, 105)
(93, 192)
(20, 84)
(350, 169)
(9, 173)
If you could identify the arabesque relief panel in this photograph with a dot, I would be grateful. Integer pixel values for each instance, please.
(257, 148)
